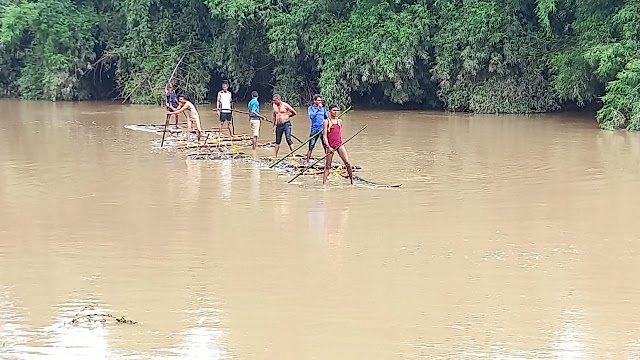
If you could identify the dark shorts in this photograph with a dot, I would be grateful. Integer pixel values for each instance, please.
(312, 142)
(286, 130)
(225, 117)
(170, 109)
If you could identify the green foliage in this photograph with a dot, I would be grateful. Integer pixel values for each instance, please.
(486, 56)
(544, 8)
(622, 101)
(156, 38)
(60, 41)
(16, 19)
(378, 44)
(603, 40)
(295, 30)
(238, 46)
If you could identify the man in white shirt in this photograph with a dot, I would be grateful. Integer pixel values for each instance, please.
(223, 108)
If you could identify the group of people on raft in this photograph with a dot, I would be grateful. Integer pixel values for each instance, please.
(326, 125)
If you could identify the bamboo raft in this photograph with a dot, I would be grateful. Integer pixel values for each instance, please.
(213, 147)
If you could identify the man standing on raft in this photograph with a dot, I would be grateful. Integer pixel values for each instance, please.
(223, 108)
(282, 113)
(254, 118)
(317, 115)
(172, 102)
(332, 134)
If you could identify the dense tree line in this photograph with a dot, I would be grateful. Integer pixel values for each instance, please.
(485, 56)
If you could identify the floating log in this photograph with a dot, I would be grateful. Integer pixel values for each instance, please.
(217, 157)
(240, 137)
(208, 146)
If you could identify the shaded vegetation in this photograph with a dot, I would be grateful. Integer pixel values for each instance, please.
(485, 56)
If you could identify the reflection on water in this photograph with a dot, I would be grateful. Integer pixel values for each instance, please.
(63, 340)
(570, 343)
(58, 340)
(192, 180)
(254, 188)
(12, 333)
(282, 210)
(225, 180)
(198, 343)
(336, 225)
(335, 228)
(317, 217)
(203, 339)
(512, 237)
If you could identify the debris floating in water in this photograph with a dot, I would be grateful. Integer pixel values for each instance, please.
(90, 315)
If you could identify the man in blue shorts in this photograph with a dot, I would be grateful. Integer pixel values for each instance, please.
(317, 114)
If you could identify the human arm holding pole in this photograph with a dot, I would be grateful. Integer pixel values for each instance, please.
(181, 108)
(169, 106)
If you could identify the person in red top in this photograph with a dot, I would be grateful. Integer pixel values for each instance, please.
(332, 134)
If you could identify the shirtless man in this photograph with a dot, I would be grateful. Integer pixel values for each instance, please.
(194, 117)
(282, 113)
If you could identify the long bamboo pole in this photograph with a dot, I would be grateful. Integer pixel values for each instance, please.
(205, 141)
(294, 150)
(327, 154)
(166, 123)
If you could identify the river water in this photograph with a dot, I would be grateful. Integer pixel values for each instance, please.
(512, 237)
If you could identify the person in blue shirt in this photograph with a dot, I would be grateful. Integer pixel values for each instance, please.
(317, 114)
(254, 117)
(171, 103)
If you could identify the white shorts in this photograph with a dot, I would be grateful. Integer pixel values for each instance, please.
(255, 127)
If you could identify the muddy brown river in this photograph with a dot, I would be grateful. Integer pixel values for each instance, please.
(512, 237)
